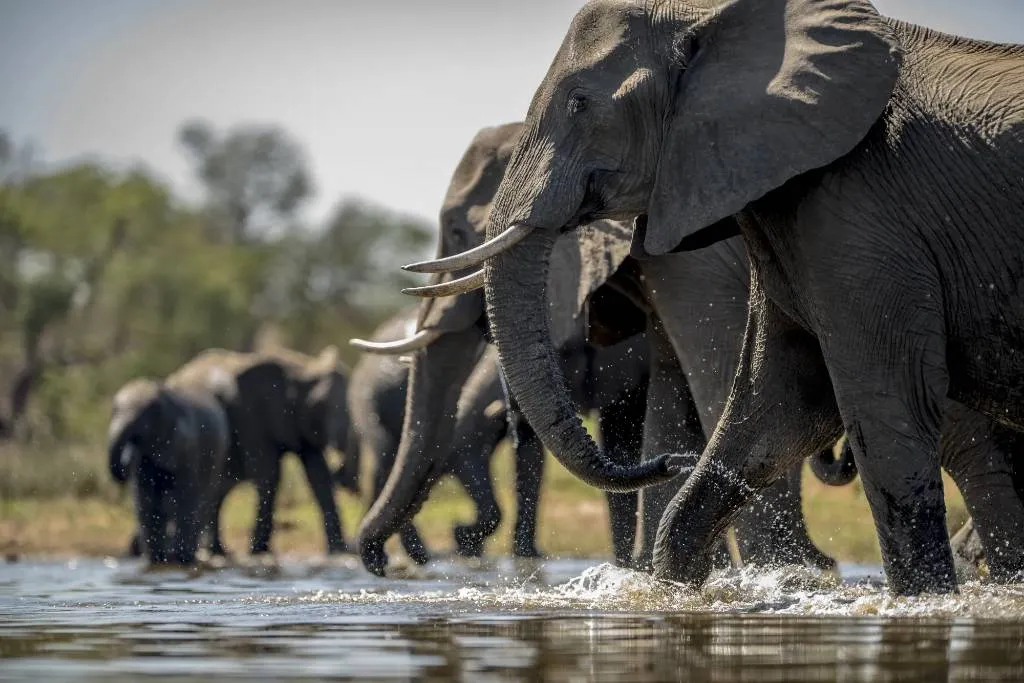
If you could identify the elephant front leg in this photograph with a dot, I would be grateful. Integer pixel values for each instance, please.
(151, 513)
(622, 434)
(529, 477)
(781, 409)
(408, 535)
(318, 474)
(267, 478)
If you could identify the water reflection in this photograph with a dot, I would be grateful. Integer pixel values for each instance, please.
(105, 623)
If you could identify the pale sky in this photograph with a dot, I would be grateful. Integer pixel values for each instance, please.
(383, 95)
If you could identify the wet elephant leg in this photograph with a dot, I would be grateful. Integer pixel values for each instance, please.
(318, 474)
(529, 477)
(772, 530)
(268, 476)
(475, 476)
(982, 458)
(892, 398)
(151, 513)
(671, 425)
(480, 425)
(622, 433)
(386, 449)
(188, 514)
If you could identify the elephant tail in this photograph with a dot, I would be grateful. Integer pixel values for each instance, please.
(832, 470)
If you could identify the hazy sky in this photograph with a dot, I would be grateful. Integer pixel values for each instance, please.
(384, 95)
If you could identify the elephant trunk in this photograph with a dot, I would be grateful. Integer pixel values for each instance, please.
(435, 380)
(517, 308)
(834, 471)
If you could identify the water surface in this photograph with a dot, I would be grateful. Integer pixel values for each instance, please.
(493, 620)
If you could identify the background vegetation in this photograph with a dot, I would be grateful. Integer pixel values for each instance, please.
(106, 274)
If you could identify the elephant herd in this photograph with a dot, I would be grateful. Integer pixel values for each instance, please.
(741, 233)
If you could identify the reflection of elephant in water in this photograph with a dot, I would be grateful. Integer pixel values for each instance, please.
(612, 379)
(286, 402)
(874, 171)
(172, 442)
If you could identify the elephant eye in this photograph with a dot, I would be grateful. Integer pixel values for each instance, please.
(576, 104)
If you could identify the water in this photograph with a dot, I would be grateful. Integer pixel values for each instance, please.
(495, 620)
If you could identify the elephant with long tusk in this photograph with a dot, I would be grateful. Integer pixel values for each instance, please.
(873, 172)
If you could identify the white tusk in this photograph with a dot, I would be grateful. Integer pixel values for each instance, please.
(462, 285)
(420, 340)
(474, 256)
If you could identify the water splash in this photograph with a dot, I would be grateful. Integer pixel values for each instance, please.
(607, 588)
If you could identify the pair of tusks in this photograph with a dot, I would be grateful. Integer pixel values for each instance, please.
(468, 283)
(474, 257)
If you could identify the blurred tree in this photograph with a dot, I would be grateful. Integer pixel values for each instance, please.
(346, 276)
(255, 178)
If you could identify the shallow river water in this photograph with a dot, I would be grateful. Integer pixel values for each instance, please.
(493, 620)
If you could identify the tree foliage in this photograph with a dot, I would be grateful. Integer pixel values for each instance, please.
(106, 275)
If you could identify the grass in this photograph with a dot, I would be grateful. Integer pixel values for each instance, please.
(63, 503)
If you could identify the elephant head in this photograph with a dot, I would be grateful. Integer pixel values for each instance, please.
(145, 420)
(450, 332)
(680, 114)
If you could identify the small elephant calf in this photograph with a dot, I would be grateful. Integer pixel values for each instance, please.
(172, 444)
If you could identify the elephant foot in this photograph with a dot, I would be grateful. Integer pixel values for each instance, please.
(374, 559)
(468, 541)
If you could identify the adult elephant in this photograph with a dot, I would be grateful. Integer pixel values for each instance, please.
(284, 402)
(450, 339)
(874, 170)
(612, 379)
(172, 443)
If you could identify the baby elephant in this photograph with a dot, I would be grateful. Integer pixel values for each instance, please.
(172, 443)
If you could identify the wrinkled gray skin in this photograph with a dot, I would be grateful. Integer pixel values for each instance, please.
(439, 372)
(876, 173)
(376, 400)
(171, 442)
(285, 402)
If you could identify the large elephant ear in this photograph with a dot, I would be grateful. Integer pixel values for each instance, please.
(770, 89)
(581, 262)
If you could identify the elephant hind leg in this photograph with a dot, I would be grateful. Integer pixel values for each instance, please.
(318, 474)
(982, 458)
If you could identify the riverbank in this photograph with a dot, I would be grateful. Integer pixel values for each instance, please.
(62, 505)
